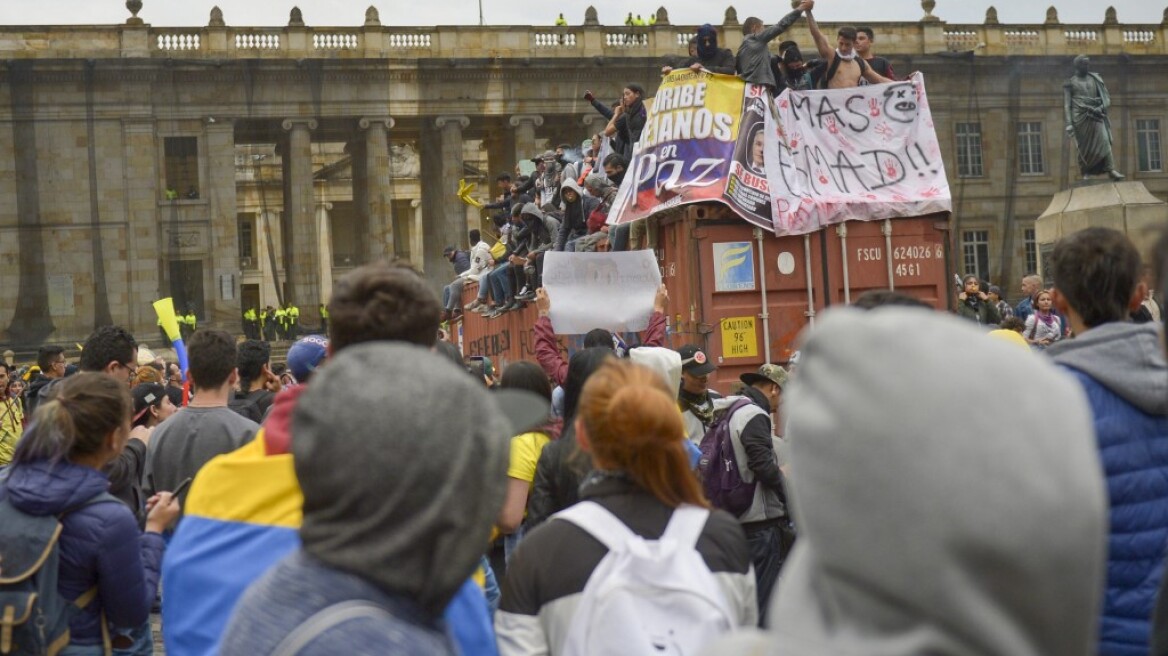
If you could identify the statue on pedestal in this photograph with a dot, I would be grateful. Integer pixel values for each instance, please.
(1085, 103)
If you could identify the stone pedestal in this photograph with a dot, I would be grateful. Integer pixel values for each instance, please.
(1125, 206)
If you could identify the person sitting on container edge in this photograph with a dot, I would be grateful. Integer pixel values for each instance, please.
(547, 350)
(383, 530)
(1121, 366)
(968, 563)
(452, 293)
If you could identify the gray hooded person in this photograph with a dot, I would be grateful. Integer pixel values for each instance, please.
(400, 495)
(927, 526)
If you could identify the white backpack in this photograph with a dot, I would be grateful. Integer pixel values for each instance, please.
(646, 597)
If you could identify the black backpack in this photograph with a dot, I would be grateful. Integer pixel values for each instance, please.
(34, 618)
(248, 405)
(834, 66)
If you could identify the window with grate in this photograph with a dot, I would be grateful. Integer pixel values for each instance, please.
(1030, 160)
(969, 150)
(975, 253)
(182, 167)
(1030, 245)
(1148, 145)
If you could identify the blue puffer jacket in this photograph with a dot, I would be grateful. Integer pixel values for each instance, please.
(100, 544)
(1123, 371)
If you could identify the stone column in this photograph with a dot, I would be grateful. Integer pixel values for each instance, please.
(445, 220)
(271, 262)
(416, 240)
(326, 250)
(593, 123)
(375, 212)
(525, 125)
(223, 253)
(302, 259)
(142, 219)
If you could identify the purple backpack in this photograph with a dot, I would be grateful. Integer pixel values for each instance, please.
(718, 466)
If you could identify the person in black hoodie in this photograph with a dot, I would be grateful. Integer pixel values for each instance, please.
(629, 119)
(577, 207)
(709, 56)
(529, 237)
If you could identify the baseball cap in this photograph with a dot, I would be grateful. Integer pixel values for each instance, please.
(306, 355)
(694, 361)
(768, 373)
(145, 396)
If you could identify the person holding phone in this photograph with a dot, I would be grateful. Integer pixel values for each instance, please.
(107, 567)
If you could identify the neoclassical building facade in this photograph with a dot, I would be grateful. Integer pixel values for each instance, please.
(231, 166)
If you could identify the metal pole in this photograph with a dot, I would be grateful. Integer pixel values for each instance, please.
(766, 314)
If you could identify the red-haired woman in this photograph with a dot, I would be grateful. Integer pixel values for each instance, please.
(628, 421)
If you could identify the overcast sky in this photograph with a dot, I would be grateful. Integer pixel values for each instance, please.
(537, 12)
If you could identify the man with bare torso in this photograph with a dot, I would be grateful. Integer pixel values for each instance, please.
(845, 68)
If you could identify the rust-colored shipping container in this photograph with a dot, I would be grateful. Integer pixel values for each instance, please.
(719, 269)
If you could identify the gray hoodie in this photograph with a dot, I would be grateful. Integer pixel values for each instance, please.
(1126, 358)
(927, 526)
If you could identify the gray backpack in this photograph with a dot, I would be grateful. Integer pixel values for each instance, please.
(34, 618)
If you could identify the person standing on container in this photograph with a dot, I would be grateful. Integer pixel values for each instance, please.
(753, 61)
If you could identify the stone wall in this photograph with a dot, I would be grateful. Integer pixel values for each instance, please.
(84, 112)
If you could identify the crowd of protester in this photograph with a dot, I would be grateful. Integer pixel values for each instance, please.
(332, 520)
(564, 203)
(859, 500)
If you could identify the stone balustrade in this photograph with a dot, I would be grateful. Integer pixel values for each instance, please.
(373, 40)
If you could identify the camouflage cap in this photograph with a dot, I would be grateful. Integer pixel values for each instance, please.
(768, 373)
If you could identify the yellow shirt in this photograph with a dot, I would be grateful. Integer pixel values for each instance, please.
(525, 450)
(11, 418)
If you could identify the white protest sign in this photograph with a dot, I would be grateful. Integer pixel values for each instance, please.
(863, 153)
(614, 291)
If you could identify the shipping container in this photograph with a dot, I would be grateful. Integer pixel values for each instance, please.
(722, 272)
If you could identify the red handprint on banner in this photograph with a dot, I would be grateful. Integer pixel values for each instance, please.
(891, 170)
(931, 192)
(821, 176)
(831, 125)
(873, 107)
(883, 130)
(796, 137)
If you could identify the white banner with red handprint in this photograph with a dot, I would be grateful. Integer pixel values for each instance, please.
(864, 153)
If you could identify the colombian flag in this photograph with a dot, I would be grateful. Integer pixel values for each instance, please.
(242, 516)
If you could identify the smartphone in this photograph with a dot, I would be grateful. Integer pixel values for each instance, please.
(182, 487)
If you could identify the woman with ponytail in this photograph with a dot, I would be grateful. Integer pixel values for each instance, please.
(56, 470)
(628, 421)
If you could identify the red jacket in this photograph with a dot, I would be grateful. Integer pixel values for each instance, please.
(547, 350)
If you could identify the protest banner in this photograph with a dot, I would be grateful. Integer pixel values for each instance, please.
(864, 153)
(614, 291)
(702, 141)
